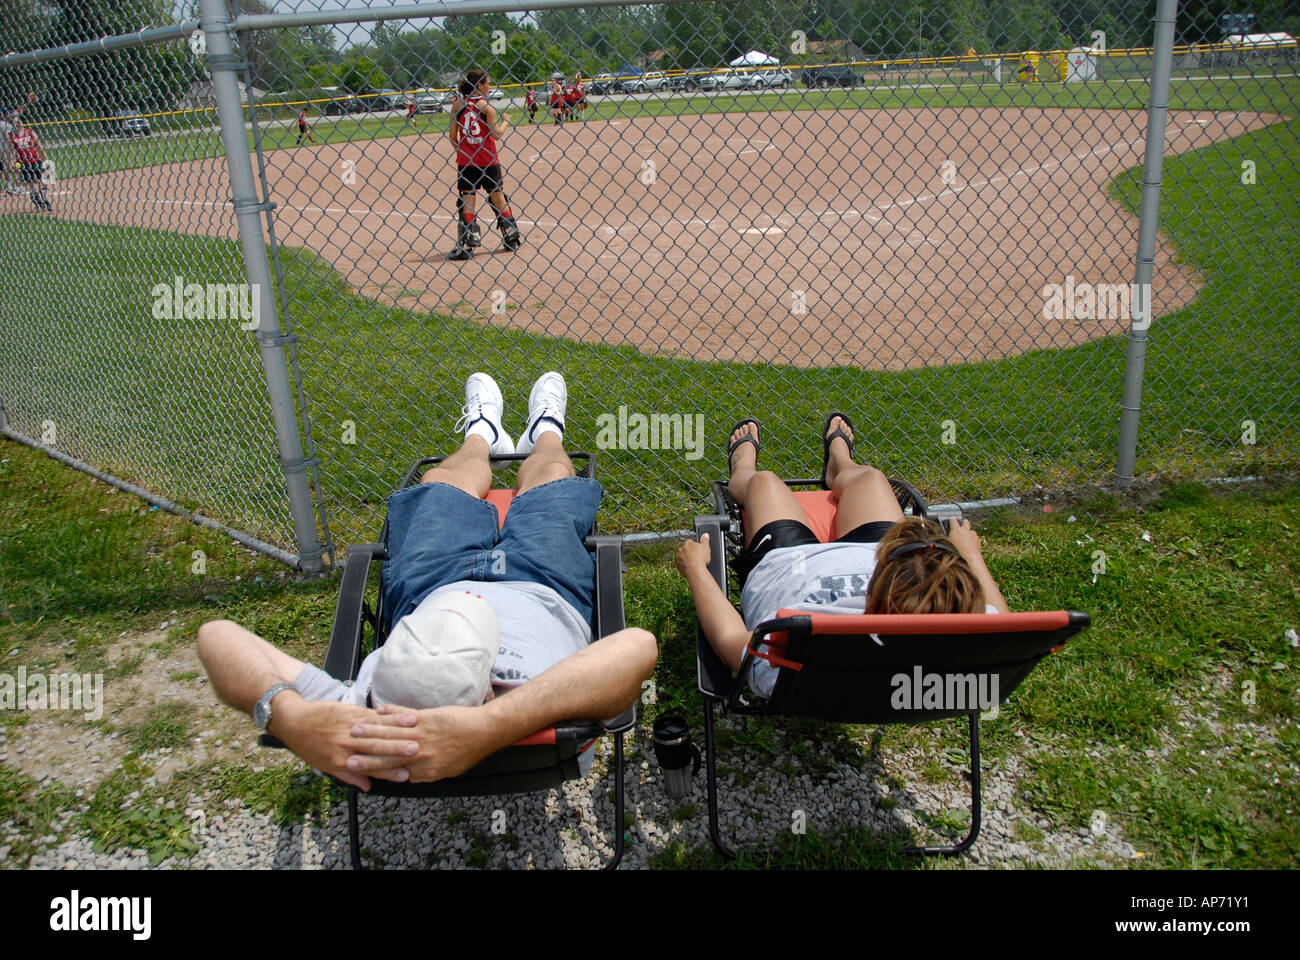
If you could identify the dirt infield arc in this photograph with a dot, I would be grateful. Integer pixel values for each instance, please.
(872, 238)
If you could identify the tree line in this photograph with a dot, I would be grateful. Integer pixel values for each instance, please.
(690, 36)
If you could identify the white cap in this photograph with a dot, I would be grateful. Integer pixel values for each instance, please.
(441, 654)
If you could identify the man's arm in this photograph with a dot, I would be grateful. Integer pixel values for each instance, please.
(242, 666)
(722, 625)
(601, 680)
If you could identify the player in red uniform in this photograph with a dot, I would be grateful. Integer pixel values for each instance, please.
(580, 89)
(410, 111)
(302, 127)
(474, 130)
(557, 100)
(530, 103)
(31, 160)
(570, 101)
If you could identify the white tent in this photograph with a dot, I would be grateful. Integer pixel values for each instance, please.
(755, 58)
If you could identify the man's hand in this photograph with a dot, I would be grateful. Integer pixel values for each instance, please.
(693, 556)
(449, 740)
(321, 733)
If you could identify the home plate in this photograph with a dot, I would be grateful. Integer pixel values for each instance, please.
(763, 231)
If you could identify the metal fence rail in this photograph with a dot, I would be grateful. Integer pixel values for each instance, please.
(947, 221)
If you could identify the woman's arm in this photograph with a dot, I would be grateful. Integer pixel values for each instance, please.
(967, 542)
(723, 626)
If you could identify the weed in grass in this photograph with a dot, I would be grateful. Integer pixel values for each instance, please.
(1026, 832)
(183, 676)
(166, 725)
(32, 810)
(124, 813)
(933, 772)
(688, 811)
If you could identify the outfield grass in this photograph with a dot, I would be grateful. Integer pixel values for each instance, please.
(1174, 715)
(79, 150)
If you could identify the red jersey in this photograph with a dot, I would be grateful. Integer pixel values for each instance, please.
(582, 91)
(476, 146)
(570, 94)
(531, 98)
(556, 94)
(26, 146)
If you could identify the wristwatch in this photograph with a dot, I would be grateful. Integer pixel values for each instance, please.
(262, 711)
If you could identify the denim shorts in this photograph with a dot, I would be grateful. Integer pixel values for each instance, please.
(439, 534)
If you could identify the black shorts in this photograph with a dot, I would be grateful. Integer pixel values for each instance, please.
(470, 179)
(30, 172)
(792, 533)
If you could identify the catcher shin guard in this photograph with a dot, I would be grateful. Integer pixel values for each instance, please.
(469, 235)
(509, 229)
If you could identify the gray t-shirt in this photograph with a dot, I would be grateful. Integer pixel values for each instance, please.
(538, 627)
(810, 579)
(538, 630)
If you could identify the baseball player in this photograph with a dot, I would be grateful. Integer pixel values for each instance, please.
(580, 91)
(31, 160)
(474, 130)
(410, 111)
(8, 162)
(530, 103)
(557, 100)
(302, 127)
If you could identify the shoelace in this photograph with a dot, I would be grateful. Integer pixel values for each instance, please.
(470, 417)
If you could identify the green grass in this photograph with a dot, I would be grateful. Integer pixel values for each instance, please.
(167, 725)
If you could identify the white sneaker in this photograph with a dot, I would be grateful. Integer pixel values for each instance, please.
(481, 415)
(546, 406)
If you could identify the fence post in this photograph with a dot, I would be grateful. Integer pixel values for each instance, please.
(1148, 222)
(225, 85)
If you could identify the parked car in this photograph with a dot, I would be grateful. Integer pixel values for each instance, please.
(388, 100)
(731, 79)
(606, 83)
(433, 102)
(652, 82)
(684, 83)
(341, 106)
(496, 93)
(769, 78)
(126, 123)
(832, 75)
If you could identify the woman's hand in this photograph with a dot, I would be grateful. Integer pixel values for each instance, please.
(963, 536)
(694, 555)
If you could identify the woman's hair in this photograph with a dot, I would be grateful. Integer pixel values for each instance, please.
(472, 80)
(918, 570)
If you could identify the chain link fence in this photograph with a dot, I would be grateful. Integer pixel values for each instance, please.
(925, 215)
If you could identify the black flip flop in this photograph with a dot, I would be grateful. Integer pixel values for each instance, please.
(747, 438)
(826, 442)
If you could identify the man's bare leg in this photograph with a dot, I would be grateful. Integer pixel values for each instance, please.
(762, 493)
(547, 462)
(863, 492)
(601, 680)
(467, 469)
